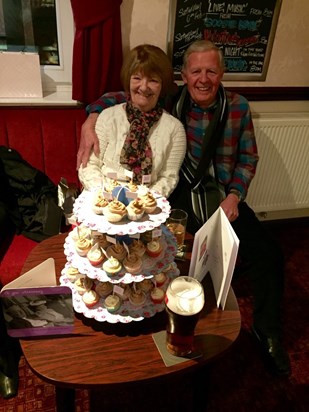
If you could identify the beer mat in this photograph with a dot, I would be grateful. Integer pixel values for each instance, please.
(169, 359)
(181, 253)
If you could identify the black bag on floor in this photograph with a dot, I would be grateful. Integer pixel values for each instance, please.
(35, 194)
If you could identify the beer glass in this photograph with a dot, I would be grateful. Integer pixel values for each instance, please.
(177, 223)
(184, 301)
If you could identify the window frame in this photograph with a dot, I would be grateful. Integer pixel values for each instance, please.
(59, 77)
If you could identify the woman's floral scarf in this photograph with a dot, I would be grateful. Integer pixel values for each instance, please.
(136, 154)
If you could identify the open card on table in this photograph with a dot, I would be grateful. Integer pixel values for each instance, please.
(33, 304)
(215, 251)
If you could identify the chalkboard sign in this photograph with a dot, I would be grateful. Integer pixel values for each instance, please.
(244, 31)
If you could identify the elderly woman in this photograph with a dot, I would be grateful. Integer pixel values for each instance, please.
(139, 136)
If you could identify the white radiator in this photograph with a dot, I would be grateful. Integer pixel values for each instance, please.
(280, 187)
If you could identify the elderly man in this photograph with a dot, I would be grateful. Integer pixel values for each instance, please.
(219, 165)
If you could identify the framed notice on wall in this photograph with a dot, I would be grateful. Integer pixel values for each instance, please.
(243, 30)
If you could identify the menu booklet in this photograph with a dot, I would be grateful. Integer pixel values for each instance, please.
(215, 251)
(33, 304)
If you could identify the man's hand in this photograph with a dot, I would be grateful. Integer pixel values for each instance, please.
(88, 141)
(230, 207)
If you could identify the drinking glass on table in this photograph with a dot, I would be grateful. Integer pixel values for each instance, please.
(177, 224)
(184, 301)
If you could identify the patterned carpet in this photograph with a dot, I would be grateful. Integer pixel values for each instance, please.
(238, 381)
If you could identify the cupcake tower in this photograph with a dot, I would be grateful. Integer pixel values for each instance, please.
(120, 256)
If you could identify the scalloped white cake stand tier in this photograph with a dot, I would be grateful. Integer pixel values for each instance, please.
(84, 214)
(127, 312)
(150, 267)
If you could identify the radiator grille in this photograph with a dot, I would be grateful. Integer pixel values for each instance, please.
(281, 181)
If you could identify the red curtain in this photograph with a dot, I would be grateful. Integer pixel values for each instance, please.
(97, 49)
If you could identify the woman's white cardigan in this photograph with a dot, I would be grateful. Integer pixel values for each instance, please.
(168, 143)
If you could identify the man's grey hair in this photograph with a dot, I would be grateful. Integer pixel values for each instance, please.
(202, 46)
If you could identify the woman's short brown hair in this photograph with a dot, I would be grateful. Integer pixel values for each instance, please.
(149, 60)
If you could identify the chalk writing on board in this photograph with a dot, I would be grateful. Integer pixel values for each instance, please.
(243, 30)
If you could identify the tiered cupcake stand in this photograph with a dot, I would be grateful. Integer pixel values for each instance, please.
(122, 231)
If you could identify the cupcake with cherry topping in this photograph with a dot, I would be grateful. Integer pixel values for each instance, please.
(132, 263)
(90, 298)
(115, 211)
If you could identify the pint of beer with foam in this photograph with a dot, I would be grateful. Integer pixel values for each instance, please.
(184, 301)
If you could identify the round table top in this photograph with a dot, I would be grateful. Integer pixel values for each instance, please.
(100, 353)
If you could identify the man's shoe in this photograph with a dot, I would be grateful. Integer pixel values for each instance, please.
(276, 355)
(8, 386)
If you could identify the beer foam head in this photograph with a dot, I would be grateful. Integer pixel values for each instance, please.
(185, 296)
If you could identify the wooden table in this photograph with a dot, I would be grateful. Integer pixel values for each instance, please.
(100, 355)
